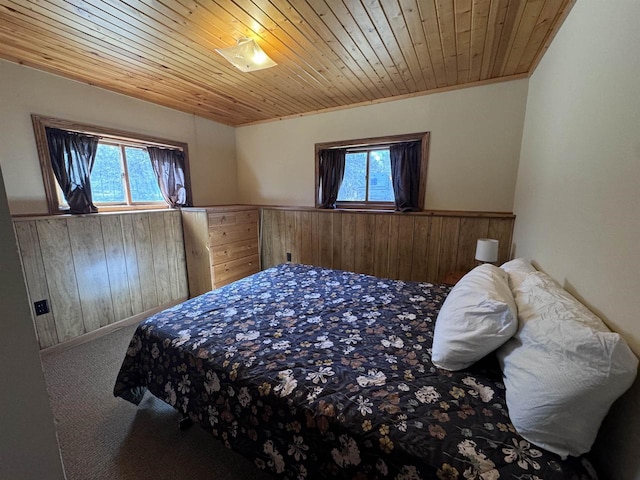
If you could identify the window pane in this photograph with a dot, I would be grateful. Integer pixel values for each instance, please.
(142, 180)
(380, 187)
(106, 176)
(354, 184)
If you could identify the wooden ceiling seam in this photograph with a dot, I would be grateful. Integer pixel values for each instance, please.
(318, 23)
(382, 23)
(353, 33)
(429, 17)
(400, 28)
(411, 14)
(357, 80)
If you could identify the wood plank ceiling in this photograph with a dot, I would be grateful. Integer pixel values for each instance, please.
(330, 53)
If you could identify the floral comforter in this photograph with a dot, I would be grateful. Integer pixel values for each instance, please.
(315, 372)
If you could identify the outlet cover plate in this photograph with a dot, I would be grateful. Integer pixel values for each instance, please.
(41, 307)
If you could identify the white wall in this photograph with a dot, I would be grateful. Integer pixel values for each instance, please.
(28, 443)
(473, 159)
(24, 91)
(578, 190)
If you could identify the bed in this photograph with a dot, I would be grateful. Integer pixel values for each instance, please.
(312, 372)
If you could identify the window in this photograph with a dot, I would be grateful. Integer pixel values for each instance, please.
(367, 181)
(122, 177)
(367, 177)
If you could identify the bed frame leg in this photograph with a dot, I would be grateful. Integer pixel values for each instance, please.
(185, 422)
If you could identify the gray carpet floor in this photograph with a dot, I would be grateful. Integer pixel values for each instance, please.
(103, 437)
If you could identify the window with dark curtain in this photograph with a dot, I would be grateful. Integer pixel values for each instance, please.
(72, 156)
(405, 173)
(169, 167)
(331, 172)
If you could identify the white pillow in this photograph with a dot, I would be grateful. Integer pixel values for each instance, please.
(478, 316)
(563, 368)
(517, 270)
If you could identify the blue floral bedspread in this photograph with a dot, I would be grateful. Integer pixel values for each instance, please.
(315, 372)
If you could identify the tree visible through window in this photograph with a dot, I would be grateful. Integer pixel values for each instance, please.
(363, 173)
(122, 176)
(367, 177)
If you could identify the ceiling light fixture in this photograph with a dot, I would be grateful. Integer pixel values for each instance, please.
(246, 56)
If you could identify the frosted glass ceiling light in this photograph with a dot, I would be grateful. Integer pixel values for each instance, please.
(246, 56)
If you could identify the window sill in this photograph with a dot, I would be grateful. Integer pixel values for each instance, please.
(69, 215)
(380, 207)
(128, 208)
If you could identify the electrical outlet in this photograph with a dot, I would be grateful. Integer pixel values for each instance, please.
(288, 256)
(41, 307)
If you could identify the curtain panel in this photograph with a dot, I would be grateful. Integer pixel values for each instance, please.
(169, 167)
(72, 157)
(405, 173)
(331, 172)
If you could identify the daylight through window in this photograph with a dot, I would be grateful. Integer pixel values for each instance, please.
(381, 173)
(367, 177)
(124, 175)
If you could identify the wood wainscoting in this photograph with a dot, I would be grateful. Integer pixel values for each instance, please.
(95, 270)
(422, 246)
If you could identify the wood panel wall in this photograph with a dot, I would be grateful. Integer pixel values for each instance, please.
(95, 270)
(423, 246)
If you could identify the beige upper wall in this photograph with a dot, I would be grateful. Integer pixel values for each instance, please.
(578, 190)
(24, 91)
(473, 159)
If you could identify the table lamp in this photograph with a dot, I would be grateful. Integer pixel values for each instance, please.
(487, 250)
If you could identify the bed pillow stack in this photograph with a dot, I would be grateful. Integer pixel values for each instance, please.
(478, 316)
(517, 270)
(563, 368)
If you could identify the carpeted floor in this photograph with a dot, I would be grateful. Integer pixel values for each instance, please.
(103, 437)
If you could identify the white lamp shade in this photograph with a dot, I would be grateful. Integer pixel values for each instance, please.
(487, 250)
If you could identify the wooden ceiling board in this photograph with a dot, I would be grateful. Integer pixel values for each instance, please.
(350, 70)
(447, 30)
(479, 24)
(429, 18)
(356, 68)
(291, 77)
(339, 19)
(78, 35)
(463, 38)
(417, 38)
(93, 68)
(331, 54)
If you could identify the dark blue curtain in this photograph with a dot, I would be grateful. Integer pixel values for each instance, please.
(169, 167)
(331, 172)
(72, 157)
(405, 174)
